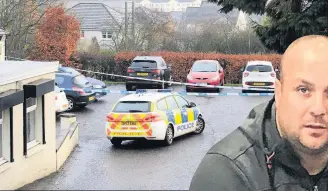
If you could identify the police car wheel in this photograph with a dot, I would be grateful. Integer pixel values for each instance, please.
(200, 125)
(116, 142)
(168, 136)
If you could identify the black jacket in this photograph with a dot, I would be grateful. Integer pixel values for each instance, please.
(239, 161)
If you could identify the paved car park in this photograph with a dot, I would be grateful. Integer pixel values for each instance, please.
(96, 164)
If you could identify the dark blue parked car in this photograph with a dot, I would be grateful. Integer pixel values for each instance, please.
(77, 88)
(98, 87)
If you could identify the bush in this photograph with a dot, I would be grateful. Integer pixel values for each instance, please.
(182, 62)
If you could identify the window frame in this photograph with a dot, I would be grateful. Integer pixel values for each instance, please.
(1, 139)
(30, 109)
(164, 100)
(175, 97)
(6, 121)
(168, 106)
(106, 34)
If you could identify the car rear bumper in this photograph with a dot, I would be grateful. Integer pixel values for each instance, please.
(100, 92)
(61, 108)
(85, 100)
(142, 82)
(156, 131)
(270, 87)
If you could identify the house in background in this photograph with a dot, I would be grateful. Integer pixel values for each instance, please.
(208, 14)
(169, 5)
(100, 21)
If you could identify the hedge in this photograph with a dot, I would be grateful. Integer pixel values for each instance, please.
(182, 62)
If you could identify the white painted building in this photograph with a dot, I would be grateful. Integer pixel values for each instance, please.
(2, 45)
(100, 21)
(169, 5)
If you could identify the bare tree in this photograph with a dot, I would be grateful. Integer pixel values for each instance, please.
(19, 18)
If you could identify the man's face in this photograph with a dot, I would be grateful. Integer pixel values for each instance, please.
(302, 102)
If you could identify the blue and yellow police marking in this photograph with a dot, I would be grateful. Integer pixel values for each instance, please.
(196, 113)
(170, 116)
(184, 115)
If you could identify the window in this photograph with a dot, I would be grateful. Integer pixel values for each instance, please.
(132, 106)
(5, 136)
(31, 105)
(204, 67)
(106, 35)
(144, 64)
(259, 68)
(171, 103)
(1, 133)
(161, 105)
(81, 81)
(181, 101)
(59, 80)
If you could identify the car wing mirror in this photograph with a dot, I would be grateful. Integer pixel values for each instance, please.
(192, 104)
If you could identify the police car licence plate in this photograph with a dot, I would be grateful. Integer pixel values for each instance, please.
(128, 123)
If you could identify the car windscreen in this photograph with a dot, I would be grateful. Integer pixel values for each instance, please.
(259, 68)
(144, 64)
(204, 67)
(81, 81)
(132, 106)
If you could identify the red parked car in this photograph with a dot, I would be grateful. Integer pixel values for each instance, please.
(205, 72)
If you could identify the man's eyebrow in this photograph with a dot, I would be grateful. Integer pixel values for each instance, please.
(307, 83)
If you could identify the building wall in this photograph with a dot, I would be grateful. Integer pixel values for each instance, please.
(104, 43)
(2, 50)
(41, 159)
(170, 5)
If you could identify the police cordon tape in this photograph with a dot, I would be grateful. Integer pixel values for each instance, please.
(178, 83)
(125, 92)
(201, 94)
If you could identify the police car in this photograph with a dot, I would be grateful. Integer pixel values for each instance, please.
(160, 115)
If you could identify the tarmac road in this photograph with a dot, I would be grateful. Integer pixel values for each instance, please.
(95, 164)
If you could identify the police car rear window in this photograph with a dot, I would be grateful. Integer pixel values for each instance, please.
(132, 106)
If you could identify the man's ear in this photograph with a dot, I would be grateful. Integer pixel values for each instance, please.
(277, 92)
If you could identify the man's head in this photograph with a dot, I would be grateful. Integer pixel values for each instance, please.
(302, 94)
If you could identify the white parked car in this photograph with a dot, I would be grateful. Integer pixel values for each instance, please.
(258, 74)
(61, 100)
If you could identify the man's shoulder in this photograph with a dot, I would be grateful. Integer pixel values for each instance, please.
(244, 137)
(233, 145)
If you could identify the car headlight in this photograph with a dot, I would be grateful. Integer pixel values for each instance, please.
(189, 77)
(216, 78)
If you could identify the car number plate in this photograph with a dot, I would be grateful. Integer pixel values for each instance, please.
(259, 84)
(202, 84)
(142, 74)
(129, 123)
(91, 98)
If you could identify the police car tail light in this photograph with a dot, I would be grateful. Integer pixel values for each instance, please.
(152, 118)
(110, 118)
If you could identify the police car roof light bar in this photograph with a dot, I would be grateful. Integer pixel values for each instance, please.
(140, 91)
(164, 90)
